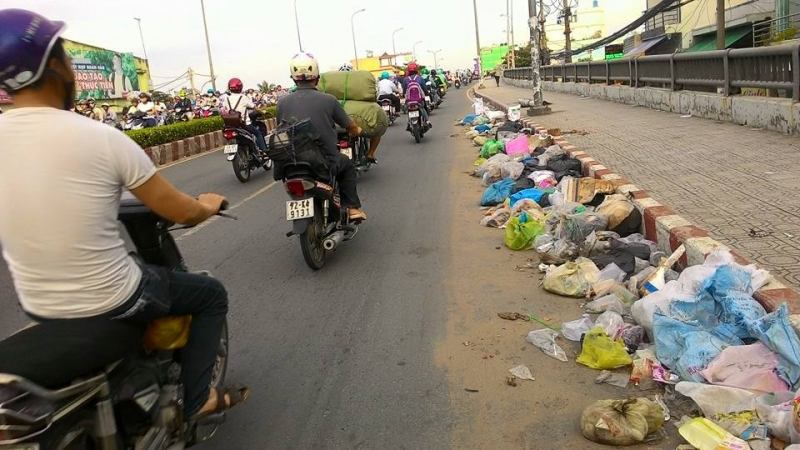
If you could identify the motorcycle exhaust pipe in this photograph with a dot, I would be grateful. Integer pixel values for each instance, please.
(333, 240)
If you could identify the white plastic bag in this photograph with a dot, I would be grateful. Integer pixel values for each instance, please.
(511, 169)
(545, 339)
(612, 272)
(608, 302)
(714, 400)
(477, 105)
(522, 372)
(611, 321)
(573, 329)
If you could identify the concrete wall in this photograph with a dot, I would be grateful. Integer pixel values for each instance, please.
(776, 114)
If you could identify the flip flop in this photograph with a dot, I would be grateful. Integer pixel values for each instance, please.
(236, 396)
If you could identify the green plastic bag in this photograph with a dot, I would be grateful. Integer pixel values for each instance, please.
(369, 116)
(601, 352)
(358, 85)
(491, 148)
(521, 231)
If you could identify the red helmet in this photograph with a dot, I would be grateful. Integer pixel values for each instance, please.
(235, 85)
(413, 68)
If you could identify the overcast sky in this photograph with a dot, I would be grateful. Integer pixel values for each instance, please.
(254, 39)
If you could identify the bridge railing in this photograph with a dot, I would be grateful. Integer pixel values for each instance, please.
(775, 67)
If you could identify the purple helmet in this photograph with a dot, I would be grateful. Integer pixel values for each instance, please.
(26, 40)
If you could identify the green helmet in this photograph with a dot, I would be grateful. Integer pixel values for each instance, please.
(385, 75)
(424, 71)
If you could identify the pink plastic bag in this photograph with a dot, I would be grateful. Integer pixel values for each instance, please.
(751, 367)
(517, 146)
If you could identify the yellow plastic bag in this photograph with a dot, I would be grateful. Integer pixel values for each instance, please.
(621, 422)
(601, 352)
(521, 232)
(706, 435)
(573, 278)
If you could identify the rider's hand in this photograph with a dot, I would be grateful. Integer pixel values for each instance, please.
(358, 131)
(212, 202)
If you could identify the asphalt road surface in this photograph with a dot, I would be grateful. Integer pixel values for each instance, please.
(343, 357)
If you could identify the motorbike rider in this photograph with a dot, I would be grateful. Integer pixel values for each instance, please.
(413, 76)
(148, 108)
(183, 102)
(388, 89)
(109, 116)
(374, 140)
(241, 103)
(325, 112)
(62, 243)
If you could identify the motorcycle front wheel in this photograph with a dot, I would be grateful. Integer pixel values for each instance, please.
(311, 240)
(241, 165)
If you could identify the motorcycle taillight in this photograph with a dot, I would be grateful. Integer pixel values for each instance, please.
(297, 187)
(229, 134)
(413, 107)
(344, 144)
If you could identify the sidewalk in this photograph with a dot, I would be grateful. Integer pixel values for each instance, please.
(738, 183)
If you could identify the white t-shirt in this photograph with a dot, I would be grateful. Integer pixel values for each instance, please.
(386, 87)
(61, 177)
(147, 107)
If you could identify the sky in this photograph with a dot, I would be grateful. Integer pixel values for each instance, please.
(255, 39)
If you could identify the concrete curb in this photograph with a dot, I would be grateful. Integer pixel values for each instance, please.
(662, 225)
(195, 145)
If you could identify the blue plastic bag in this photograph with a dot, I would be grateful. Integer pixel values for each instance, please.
(534, 194)
(775, 331)
(497, 192)
(685, 348)
(727, 278)
(482, 128)
(468, 119)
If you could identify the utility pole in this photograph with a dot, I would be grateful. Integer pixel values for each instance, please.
(144, 49)
(720, 24)
(297, 27)
(543, 51)
(191, 79)
(567, 32)
(513, 47)
(208, 47)
(477, 37)
(536, 106)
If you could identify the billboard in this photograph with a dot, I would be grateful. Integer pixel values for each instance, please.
(492, 57)
(105, 74)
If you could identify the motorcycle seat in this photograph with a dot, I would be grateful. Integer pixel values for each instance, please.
(53, 354)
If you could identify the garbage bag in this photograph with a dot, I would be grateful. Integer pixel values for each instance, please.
(574, 329)
(573, 279)
(467, 120)
(521, 231)
(750, 367)
(621, 422)
(357, 85)
(545, 339)
(534, 194)
(497, 217)
(517, 146)
(589, 188)
(564, 167)
(369, 116)
(552, 152)
(622, 254)
(530, 207)
(480, 141)
(615, 208)
(497, 193)
(776, 332)
(685, 348)
(610, 302)
(522, 184)
(599, 351)
(490, 148)
(632, 335)
(576, 227)
(612, 272)
(553, 251)
(714, 400)
(704, 434)
(512, 169)
(611, 322)
(482, 128)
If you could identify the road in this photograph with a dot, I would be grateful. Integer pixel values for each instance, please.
(341, 358)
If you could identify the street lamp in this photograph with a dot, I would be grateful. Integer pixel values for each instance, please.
(353, 32)
(208, 47)
(297, 27)
(435, 58)
(414, 49)
(144, 49)
(394, 50)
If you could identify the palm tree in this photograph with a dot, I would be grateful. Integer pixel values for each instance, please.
(266, 87)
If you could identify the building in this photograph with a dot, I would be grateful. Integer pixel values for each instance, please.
(379, 64)
(748, 23)
(591, 20)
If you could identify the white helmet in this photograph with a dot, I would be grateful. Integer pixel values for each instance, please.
(304, 67)
(346, 67)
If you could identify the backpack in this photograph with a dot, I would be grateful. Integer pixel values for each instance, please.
(414, 92)
(230, 116)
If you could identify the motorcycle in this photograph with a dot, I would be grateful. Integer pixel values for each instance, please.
(134, 121)
(389, 109)
(315, 210)
(241, 148)
(355, 148)
(457, 83)
(86, 386)
(433, 98)
(415, 125)
(206, 111)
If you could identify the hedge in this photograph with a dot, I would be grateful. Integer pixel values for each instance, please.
(149, 137)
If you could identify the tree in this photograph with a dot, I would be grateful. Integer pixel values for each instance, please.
(522, 56)
(266, 87)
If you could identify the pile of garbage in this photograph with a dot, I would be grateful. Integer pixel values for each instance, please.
(693, 334)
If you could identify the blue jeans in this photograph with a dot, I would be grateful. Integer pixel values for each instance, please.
(162, 292)
(260, 141)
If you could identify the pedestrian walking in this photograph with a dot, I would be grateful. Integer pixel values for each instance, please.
(496, 76)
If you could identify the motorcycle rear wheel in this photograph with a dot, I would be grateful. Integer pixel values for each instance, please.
(241, 165)
(311, 241)
(417, 134)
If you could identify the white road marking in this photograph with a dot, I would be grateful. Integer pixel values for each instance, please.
(215, 218)
(191, 158)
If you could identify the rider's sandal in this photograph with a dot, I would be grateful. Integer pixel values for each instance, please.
(372, 160)
(236, 396)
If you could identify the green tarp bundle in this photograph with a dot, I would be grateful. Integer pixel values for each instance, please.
(358, 85)
(368, 115)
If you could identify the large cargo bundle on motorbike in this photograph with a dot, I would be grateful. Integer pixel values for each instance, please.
(358, 85)
(369, 116)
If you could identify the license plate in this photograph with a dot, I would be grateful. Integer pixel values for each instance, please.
(347, 152)
(299, 209)
(413, 114)
(230, 148)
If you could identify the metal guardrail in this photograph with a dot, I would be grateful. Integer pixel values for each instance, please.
(776, 29)
(763, 67)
